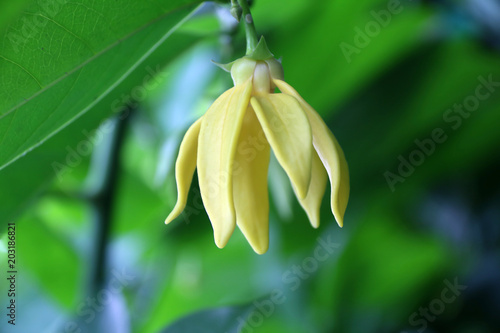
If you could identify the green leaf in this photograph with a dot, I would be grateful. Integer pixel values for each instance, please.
(53, 158)
(10, 10)
(74, 55)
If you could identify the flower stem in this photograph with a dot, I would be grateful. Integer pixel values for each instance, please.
(103, 196)
(251, 33)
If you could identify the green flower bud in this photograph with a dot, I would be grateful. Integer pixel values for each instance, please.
(262, 73)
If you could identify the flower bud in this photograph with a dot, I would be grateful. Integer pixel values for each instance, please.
(276, 69)
(261, 79)
(242, 70)
(261, 72)
(236, 12)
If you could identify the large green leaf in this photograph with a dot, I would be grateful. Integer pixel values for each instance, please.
(55, 151)
(61, 59)
(9, 10)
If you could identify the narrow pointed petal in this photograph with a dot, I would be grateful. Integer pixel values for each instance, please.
(329, 152)
(251, 199)
(219, 133)
(288, 131)
(184, 168)
(312, 202)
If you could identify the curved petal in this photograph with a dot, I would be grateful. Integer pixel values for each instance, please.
(289, 133)
(219, 133)
(184, 168)
(329, 152)
(312, 202)
(251, 199)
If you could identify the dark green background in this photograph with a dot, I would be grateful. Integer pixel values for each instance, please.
(411, 64)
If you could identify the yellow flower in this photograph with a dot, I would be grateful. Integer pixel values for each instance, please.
(230, 145)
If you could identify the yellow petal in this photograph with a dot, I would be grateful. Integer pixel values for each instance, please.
(251, 200)
(289, 133)
(217, 143)
(312, 202)
(184, 168)
(329, 152)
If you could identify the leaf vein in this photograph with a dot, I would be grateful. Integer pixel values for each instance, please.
(24, 69)
(65, 29)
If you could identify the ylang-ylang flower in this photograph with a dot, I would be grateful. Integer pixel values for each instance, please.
(230, 146)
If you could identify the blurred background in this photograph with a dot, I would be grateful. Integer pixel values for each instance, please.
(411, 90)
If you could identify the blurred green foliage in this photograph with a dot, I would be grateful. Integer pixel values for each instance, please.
(403, 237)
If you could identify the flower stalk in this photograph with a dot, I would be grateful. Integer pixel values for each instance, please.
(251, 33)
